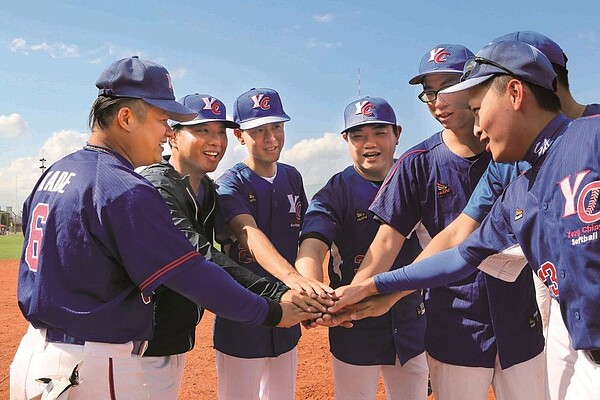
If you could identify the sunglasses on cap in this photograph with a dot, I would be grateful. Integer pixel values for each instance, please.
(475, 63)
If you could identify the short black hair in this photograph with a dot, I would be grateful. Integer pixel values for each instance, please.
(105, 109)
(546, 98)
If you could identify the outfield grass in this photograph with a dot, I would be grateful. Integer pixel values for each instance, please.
(10, 246)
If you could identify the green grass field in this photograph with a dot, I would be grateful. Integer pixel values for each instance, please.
(10, 246)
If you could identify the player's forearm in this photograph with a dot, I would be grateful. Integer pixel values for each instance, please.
(453, 235)
(266, 254)
(438, 270)
(381, 254)
(311, 256)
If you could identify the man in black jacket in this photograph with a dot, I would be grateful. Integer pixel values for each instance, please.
(197, 148)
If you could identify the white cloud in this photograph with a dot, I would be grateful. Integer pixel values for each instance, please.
(589, 37)
(13, 125)
(25, 171)
(314, 43)
(318, 159)
(178, 73)
(324, 18)
(54, 50)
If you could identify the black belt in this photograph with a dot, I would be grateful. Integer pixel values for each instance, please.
(594, 355)
(57, 337)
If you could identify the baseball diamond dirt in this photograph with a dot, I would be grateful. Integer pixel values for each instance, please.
(315, 375)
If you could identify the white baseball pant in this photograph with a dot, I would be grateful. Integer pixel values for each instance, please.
(524, 381)
(107, 370)
(269, 378)
(360, 382)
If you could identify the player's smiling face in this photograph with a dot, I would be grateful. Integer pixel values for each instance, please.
(453, 118)
(264, 145)
(495, 119)
(201, 146)
(151, 131)
(372, 148)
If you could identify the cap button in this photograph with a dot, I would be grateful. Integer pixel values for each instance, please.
(134, 57)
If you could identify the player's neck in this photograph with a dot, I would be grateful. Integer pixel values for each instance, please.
(568, 105)
(463, 142)
(183, 168)
(262, 168)
(100, 138)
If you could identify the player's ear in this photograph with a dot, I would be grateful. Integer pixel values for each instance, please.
(173, 138)
(515, 89)
(238, 134)
(345, 136)
(398, 132)
(124, 118)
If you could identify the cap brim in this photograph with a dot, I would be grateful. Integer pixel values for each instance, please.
(197, 121)
(367, 123)
(464, 85)
(253, 123)
(419, 78)
(176, 111)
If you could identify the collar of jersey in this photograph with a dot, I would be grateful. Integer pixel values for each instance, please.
(546, 138)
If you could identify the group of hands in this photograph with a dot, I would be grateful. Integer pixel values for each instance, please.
(314, 304)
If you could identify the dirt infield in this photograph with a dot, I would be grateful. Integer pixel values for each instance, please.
(199, 381)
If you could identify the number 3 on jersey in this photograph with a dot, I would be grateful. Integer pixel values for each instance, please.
(36, 235)
(547, 273)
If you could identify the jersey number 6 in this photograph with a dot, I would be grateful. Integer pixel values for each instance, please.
(36, 236)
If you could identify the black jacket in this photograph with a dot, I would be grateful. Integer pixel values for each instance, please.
(176, 317)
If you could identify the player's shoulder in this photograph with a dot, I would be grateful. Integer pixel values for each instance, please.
(233, 173)
(422, 149)
(584, 131)
(289, 169)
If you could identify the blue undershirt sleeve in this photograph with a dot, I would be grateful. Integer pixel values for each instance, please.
(438, 270)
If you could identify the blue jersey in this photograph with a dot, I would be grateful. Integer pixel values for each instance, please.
(482, 316)
(339, 215)
(553, 212)
(278, 209)
(497, 177)
(92, 257)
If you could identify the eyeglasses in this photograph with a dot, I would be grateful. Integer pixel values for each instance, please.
(472, 65)
(429, 96)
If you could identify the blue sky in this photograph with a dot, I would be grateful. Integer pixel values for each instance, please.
(52, 52)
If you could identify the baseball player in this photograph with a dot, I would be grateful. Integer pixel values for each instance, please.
(99, 240)
(197, 147)
(550, 210)
(424, 192)
(559, 353)
(338, 220)
(261, 203)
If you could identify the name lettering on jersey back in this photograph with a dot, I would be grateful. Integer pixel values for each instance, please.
(583, 203)
(56, 181)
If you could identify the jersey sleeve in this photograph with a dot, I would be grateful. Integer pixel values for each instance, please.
(491, 185)
(322, 219)
(147, 242)
(398, 202)
(230, 197)
(494, 247)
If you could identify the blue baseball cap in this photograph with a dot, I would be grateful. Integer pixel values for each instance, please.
(209, 109)
(145, 80)
(508, 57)
(368, 110)
(543, 43)
(442, 59)
(258, 107)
